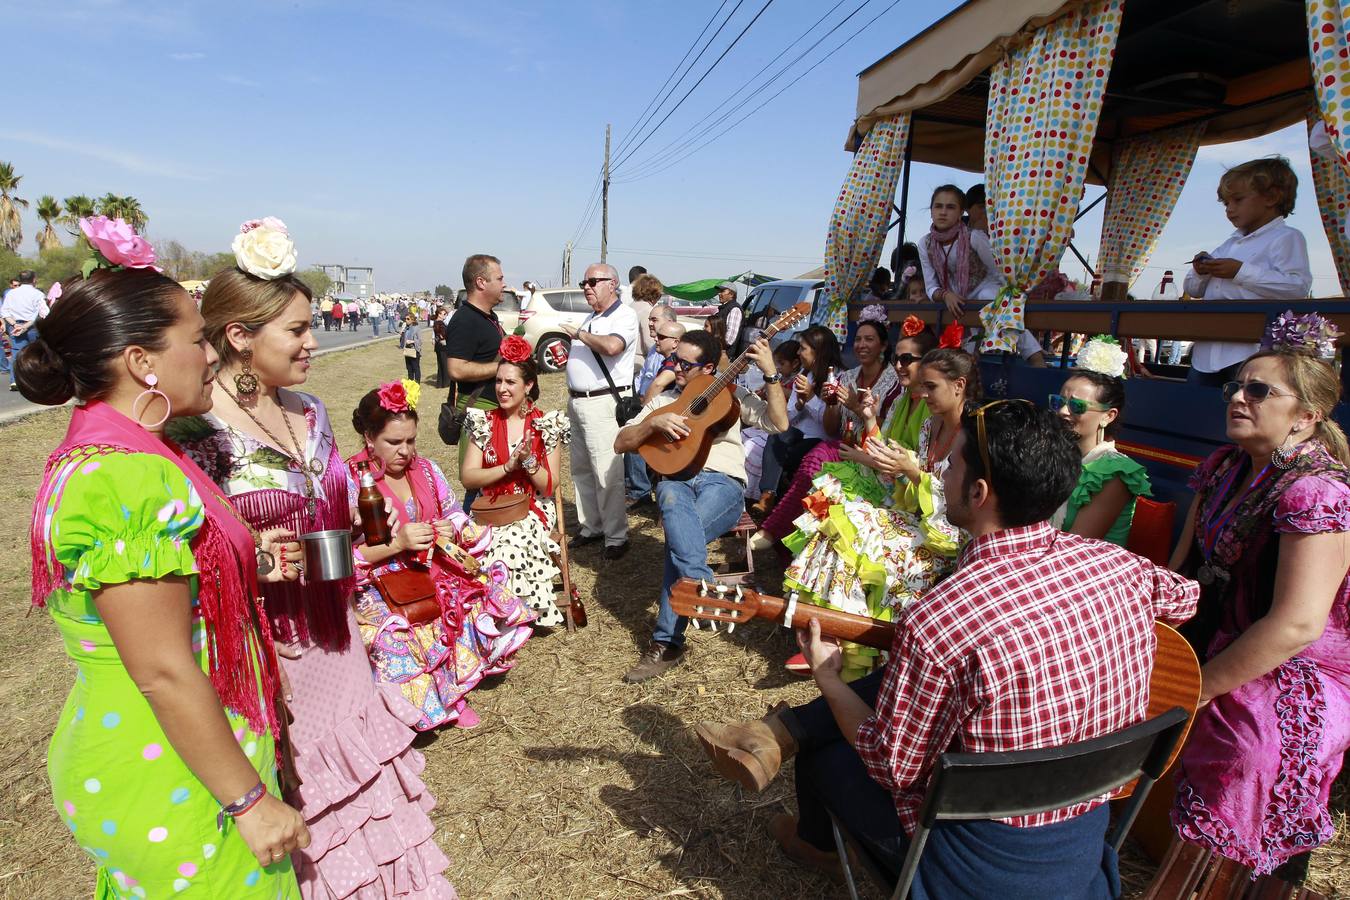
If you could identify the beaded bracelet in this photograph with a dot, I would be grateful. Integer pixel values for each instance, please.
(240, 806)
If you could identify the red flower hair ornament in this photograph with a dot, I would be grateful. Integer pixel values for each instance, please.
(514, 349)
(912, 325)
(394, 397)
(952, 336)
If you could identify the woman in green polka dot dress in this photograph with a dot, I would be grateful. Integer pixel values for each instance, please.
(162, 764)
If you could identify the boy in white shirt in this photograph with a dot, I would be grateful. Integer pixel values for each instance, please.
(1265, 259)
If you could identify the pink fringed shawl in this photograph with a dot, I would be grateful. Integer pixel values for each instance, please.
(223, 550)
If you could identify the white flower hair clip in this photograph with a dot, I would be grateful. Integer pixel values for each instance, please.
(1103, 355)
(263, 247)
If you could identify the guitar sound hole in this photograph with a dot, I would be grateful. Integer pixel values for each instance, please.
(698, 406)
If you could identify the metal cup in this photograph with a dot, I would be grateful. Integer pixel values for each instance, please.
(328, 555)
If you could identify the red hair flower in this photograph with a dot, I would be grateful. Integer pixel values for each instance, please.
(515, 349)
(952, 336)
(394, 397)
(912, 325)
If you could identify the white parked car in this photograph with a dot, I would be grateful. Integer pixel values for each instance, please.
(544, 312)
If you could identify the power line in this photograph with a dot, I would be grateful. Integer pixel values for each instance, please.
(780, 92)
(709, 71)
(589, 208)
(696, 132)
(706, 26)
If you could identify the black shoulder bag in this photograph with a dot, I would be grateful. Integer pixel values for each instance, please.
(626, 409)
(450, 425)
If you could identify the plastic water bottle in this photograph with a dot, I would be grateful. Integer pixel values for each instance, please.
(1167, 288)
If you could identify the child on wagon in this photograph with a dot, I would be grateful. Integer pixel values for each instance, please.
(1264, 259)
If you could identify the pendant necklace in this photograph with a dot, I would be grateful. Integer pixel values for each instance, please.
(309, 470)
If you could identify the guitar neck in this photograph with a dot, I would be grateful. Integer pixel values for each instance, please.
(833, 623)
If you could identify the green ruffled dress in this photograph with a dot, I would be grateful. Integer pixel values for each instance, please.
(128, 799)
(1101, 464)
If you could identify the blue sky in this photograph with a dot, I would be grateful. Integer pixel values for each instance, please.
(406, 135)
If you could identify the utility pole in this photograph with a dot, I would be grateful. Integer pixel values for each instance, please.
(604, 215)
(567, 265)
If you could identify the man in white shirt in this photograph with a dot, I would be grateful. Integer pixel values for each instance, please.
(375, 312)
(22, 307)
(1264, 259)
(706, 505)
(605, 342)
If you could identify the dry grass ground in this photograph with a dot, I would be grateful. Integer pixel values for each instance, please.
(575, 785)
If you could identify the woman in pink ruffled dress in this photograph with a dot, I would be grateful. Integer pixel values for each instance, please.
(481, 624)
(273, 451)
(1268, 538)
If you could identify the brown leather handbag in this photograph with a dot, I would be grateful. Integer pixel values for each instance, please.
(410, 593)
(501, 510)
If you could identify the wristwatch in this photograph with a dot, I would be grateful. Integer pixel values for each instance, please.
(773, 379)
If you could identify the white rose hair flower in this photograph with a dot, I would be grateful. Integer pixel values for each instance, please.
(1103, 355)
(264, 248)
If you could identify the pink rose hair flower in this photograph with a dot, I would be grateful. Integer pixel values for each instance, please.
(272, 223)
(394, 397)
(118, 243)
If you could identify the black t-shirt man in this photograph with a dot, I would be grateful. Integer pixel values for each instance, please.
(475, 336)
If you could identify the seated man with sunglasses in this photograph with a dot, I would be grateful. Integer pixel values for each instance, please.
(1038, 639)
(704, 507)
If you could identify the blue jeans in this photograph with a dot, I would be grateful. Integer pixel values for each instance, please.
(19, 341)
(639, 481)
(694, 512)
(375, 324)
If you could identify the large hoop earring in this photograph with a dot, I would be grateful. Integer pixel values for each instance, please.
(151, 392)
(246, 383)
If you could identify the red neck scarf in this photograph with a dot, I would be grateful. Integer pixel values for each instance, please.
(227, 583)
(420, 478)
(498, 451)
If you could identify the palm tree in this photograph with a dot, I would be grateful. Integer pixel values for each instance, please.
(134, 214)
(128, 209)
(11, 226)
(48, 210)
(77, 207)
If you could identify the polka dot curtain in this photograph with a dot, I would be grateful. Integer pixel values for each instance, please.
(861, 214)
(1045, 97)
(1332, 186)
(1147, 175)
(1329, 43)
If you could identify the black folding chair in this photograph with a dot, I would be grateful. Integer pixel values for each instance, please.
(981, 786)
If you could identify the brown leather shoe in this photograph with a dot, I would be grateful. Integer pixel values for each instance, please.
(783, 827)
(656, 660)
(748, 753)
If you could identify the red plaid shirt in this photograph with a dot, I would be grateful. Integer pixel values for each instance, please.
(1039, 638)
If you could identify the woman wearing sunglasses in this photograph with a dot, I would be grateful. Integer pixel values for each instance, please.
(1268, 538)
(1091, 403)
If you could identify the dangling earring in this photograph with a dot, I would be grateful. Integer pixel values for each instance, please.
(151, 392)
(246, 383)
(1101, 432)
(1284, 456)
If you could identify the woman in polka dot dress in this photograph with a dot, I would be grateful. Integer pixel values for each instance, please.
(516, 449)
(162, 764)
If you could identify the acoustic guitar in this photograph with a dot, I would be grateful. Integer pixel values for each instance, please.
(709, 406)
(1176, 671)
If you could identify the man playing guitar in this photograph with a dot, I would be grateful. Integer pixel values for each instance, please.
(704, 506)
(1038, 639)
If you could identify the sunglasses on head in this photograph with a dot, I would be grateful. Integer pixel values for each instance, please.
(1252, 391)
(592, 282)
(905, 360)
(1076, 406)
